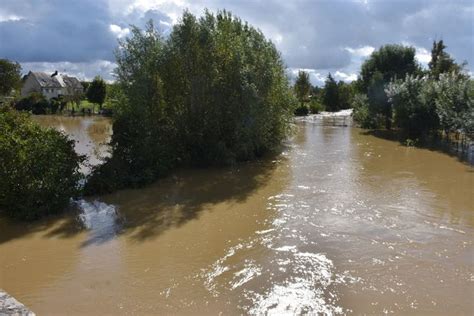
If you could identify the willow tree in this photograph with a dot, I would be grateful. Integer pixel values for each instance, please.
(215, 92)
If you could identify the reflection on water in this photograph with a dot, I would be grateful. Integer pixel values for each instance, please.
(341, 222)
(91, 134)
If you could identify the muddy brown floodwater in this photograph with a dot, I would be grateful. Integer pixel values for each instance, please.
(340, 223)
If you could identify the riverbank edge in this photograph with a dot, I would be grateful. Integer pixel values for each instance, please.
(10, 306)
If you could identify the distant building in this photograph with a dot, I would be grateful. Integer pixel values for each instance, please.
(50, 85)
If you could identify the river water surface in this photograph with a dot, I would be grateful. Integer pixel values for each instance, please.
(340, 223)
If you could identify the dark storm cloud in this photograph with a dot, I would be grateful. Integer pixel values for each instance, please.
(316, 33)
(321, 35)
(51, 31)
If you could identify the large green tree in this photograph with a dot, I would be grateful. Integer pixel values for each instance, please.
(441, 62)
(97, 91)
(389, 63)
(10, 76)
(302, 87)
(346, 92)
(214, 92)
(331, 94)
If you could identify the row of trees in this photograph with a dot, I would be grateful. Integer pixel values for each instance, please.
(333, 96)
(214, 92)
(396, 92)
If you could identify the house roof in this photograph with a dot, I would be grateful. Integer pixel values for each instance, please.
(72, 82)
(59, 81)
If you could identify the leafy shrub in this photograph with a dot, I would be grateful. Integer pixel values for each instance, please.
(316, 107)
(414, 110)
(35, 103)
(454, 103)
(39, 169)
(302, 110)
(361, 113)
(423, 105)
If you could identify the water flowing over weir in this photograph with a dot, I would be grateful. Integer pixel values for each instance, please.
(340, 223)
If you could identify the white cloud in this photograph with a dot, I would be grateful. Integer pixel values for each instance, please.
(423, 55)
(345, 76)
(10, 17)
(81, 70)
(118, 31)
(315, 77)
(167, 24)
(173, 8)
(363, 51)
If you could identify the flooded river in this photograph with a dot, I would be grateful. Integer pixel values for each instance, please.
(340, 223)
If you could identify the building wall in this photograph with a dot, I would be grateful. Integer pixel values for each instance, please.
(51, 92)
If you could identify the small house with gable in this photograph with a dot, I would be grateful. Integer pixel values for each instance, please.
(50, 86)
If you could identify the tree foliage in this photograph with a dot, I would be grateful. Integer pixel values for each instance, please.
(331, 94)
(424, 105)
(38, 167)
(346, 93)
(215, 92)
(441, 62)
(389, 63)
(455, 103)
(413, 102)
(10, 76)
(97, 91)
(302, 87)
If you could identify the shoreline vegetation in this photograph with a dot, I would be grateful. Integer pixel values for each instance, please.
(396, 94)
(214, 93)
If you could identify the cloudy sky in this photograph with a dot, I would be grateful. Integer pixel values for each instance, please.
(321, 36)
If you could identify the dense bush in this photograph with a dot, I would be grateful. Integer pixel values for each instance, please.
(414, 109)
(38, 167)
(302, 110)
(417, 102)
(361, 113)
(424, 105)
(455, 103)
(316, 106)
(35, 103)
(215, 92)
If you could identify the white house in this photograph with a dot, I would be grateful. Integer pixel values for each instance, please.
(51, 86)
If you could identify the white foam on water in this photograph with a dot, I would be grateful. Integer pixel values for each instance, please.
(286, 248)
(302, 292)
(245, 275)
(96, 214)
(100, 219)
